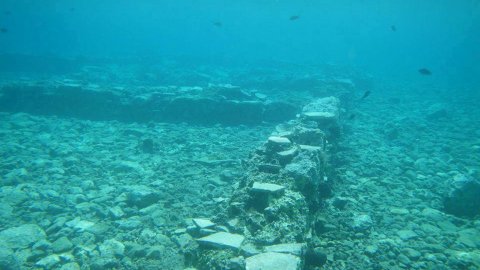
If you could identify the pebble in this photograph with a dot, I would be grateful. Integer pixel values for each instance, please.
(48, 262)
(406, 234)
(411, 253)
(62, 244)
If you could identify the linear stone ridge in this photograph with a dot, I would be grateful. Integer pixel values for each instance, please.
(270, 218)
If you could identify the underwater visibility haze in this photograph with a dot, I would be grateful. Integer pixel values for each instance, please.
(268, 134)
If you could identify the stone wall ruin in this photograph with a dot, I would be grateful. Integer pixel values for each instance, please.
(271, 216)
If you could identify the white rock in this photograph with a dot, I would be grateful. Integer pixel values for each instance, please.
(223, 240)
(203, 223)
(279, 140)
(267, 188)
(273, 261)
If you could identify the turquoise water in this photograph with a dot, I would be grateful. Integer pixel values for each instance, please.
(245, 135)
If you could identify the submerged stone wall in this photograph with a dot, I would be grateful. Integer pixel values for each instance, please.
(223, 104)
(272, 216)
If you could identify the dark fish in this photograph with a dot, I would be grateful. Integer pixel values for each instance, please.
(3, 30)
(7, 12)
(218, 24)
(72, 9)
(351, 116)
(294, 17)
(394, 28)
(365, 95)
(425, 71)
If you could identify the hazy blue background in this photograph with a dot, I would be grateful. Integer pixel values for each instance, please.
(441, 35)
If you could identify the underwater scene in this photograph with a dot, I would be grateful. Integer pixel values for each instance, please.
(239, 135)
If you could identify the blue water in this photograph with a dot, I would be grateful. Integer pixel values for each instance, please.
(440, 35)
(123, 121)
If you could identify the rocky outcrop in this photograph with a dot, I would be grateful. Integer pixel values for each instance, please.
(223, 104)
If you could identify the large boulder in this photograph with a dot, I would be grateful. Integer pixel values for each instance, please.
(22, 236)
(463, 198)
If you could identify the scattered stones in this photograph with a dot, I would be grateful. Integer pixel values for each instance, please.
(222, 240)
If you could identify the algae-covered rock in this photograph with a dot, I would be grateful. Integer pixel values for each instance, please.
(463, 198)
(22, 236)
(141, 196)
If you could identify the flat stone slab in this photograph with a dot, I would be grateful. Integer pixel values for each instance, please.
(279, 140)
(319, 116)
(222, 240)
(290, 248)
(288, 153)
(267, 188)
(203, 223)
(273, 261)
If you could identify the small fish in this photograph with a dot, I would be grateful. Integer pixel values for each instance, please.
(294, 17)
(72, 9)
(351, 116)
(425, 71)
(218, 24)
(394, 28)
(3, 30)
(366, 94)
(7, 12)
